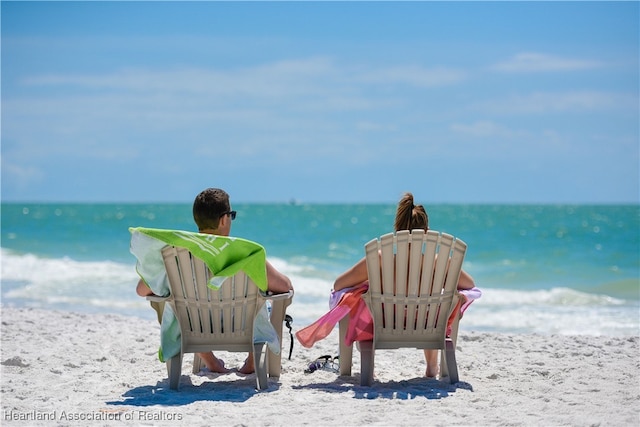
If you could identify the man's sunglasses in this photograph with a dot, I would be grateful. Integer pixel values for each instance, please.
(232, 214)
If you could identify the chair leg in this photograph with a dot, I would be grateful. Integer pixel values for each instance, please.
(444, 369)
(451, 365)
(260, 361)
(174, 370)
(197, 363)
(367, 356)
(345, 351)
(278, 311)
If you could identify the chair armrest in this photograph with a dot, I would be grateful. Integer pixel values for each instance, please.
(277, 297)
(279, 304)
(156, 298)
(456, 317)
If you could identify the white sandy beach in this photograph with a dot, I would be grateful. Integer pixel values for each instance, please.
(62, 368)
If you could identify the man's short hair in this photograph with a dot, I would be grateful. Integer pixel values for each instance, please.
(209, 206)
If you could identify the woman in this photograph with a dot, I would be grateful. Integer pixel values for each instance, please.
(408, 217)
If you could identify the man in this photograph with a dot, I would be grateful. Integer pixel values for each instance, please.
(213, 215)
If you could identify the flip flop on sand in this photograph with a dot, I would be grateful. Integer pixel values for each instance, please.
(325, 363)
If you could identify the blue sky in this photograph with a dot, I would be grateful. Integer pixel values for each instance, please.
(481, 102)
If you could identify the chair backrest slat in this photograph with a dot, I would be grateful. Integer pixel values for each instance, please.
(415, 263)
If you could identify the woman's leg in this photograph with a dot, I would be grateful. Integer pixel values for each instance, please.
(431, 358)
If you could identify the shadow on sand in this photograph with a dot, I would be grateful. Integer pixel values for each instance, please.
(239, 389)
(427, 388)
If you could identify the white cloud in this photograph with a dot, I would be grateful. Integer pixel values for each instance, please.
(21, 176)
(295, 97)
(413, 75)
(530, 62)
(485, 138)
(483, 129)
(556, 102)
(275, 78)
(314, 76)
(368, 126)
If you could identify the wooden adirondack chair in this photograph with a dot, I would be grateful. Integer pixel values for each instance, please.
(220, 319)
(413, 279)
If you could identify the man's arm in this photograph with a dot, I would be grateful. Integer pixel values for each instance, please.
(278, 283)
(142, 289)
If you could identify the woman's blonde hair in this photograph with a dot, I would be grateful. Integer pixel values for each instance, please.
(410, 216)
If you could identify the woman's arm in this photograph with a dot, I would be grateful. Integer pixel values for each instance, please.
(465, 281)
(353, 276)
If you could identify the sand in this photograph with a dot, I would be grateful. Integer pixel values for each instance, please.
(61, 368)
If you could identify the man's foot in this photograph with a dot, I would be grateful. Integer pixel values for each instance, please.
(213, 363)
(248, 367)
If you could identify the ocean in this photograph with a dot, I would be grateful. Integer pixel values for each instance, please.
(546, 269)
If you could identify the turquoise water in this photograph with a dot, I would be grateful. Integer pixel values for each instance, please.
(542, 268)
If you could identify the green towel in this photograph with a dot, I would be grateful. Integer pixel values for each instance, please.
(225, 256)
